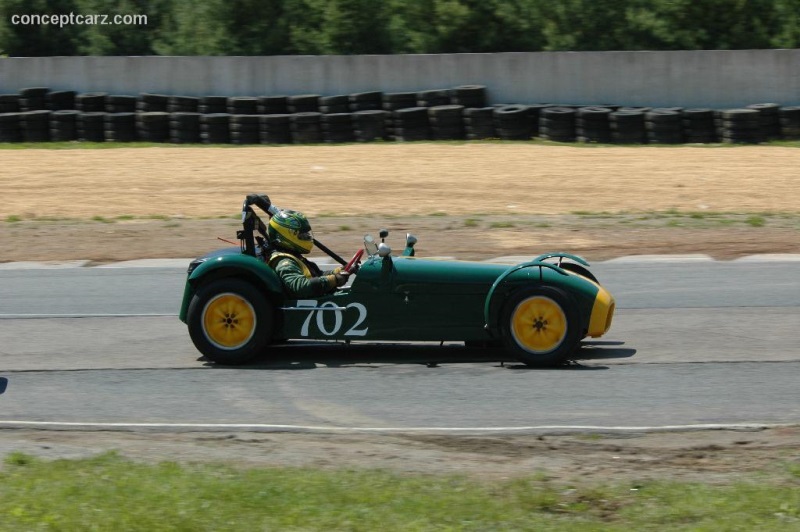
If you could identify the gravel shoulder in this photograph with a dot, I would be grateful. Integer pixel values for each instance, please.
(718, 456)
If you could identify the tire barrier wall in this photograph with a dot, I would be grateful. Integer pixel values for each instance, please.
(692, 79)
(38, 115)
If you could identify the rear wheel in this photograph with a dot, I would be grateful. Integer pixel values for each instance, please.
(230, 321)
(540, 326)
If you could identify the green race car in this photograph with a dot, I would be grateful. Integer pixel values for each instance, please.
(235, 305)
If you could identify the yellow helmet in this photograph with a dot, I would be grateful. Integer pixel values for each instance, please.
(291, 231)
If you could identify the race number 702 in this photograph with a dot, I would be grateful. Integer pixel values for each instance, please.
(323, 322)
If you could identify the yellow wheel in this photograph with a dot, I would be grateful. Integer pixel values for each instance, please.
(540, 326)
(229, 321)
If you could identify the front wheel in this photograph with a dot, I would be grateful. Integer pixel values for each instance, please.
(540, 326)
(230, 321)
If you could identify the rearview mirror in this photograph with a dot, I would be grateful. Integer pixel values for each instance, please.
(369, 245)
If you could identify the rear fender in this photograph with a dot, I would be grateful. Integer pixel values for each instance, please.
(239, 266)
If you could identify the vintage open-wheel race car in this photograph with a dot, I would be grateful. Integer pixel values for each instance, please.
(236, 306)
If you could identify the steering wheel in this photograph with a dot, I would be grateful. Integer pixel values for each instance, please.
(357, 257)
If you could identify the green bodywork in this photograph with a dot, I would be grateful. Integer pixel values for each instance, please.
(399, 298)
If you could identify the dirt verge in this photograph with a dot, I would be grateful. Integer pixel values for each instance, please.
(709, 456)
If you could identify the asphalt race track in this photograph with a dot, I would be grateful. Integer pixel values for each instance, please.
(695, 343)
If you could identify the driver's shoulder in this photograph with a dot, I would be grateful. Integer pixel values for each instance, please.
(286, 262)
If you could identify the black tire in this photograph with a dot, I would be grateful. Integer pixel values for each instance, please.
(552, 313)
(245, 339)
(303, 103)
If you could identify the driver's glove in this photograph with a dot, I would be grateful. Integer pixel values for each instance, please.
(339, 277)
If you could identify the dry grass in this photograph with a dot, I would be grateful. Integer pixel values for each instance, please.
(399, 179)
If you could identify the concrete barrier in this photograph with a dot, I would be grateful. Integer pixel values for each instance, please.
(719, 78)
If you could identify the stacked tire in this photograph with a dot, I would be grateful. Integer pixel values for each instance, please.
(35, 126)
(469, 96)
(557, 124)
(306, 127)
(535, 116)
(153, 126)
(303, 103)
(337, 127)
(213, 105)
(33, 99)
(275, 129)
(10, 127)
(593, 125)
(739, 126)
(64, 125)
(214, 128)
(411, 124)
(91, 102)
(768, 120)
(433, 98)
(184, 128)
(152, 103)
(698, 126)
(366, 101)
(664, 126)
(334, 104)
(120, 104)
(92, 126)
(183, 104)
(628, 126)
(394, 101)
(479, 123)
(447, 122)
(120, 127)
(245, 129)
(790, 122)
(241, 105)
(61, 100)
(369, 126)
(512, 122)
(9, 103)
(272, 105)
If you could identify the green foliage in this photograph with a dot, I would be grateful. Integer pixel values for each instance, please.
(19, 459)
(281, 27)
(356, 27)
(108, 492)
(706, 25)
(38, 40)
(587, 25)
(456, 26)
(121, 39)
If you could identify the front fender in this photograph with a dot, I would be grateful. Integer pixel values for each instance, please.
(487, 306)
(233, 265)
(561, 255)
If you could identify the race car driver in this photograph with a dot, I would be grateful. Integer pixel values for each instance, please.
(290, 236)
